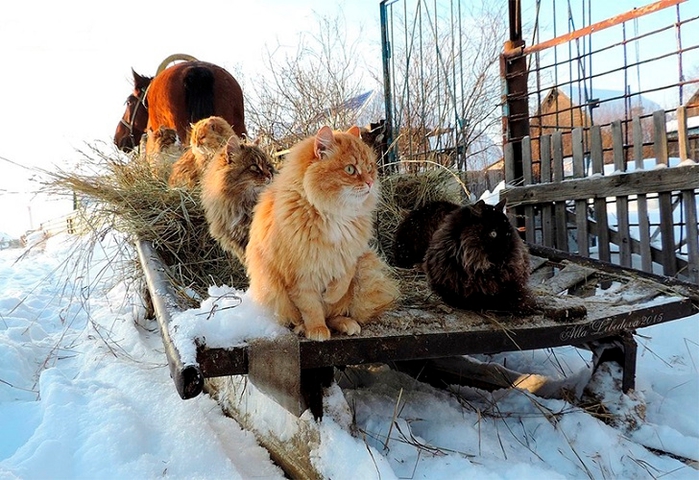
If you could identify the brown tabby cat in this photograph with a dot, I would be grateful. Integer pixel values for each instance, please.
(161, 140)
(164, 149)
(207, 137)
(230, 186)
(308, 258)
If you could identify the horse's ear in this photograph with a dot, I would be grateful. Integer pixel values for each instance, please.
(354, 130)
(323, 141)
(140, 82)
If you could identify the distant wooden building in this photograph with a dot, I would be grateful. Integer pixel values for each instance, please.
(692, 114)
(557, 112)
(693, 105)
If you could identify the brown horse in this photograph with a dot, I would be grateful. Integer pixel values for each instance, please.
(176, 98)
(133, 124)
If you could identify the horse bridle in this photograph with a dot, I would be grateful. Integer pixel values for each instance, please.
(141, 101)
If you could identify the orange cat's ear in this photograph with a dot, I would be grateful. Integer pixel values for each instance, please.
(354, 130)
(323, 141)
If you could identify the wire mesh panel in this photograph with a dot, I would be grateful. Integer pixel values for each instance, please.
(610, 89)
(442, 83)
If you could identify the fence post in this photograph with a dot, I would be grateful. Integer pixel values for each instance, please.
(388, 163)
(667, 232)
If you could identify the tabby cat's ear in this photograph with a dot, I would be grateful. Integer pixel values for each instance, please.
(323, 141)
(354, 130)
(232, 147)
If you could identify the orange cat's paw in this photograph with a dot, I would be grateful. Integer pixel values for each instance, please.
(319, 333)
(345, 325)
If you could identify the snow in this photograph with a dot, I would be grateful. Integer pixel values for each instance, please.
(85, 393)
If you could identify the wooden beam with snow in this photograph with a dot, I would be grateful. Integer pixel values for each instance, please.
(188, 378)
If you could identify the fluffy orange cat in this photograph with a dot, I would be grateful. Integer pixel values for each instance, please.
(308, 258)
(207, 137)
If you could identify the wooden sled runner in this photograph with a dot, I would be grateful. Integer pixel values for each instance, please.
(584, 303)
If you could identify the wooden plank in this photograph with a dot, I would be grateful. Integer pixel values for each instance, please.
(690, 210)
(560, 220)
(622, 201)
(509, 154)
(290, 440)
(536, 262)
(342, 350)
(581, 204)
(682, 139)
(529, 220)
(540, 275)
(595, 27)
(188, 378)
(629, 183)
(600, 204)
(641, 202)
(674, 285)
(614, 237)
(547, 228)
(368, 348)
(667, 230)
(570, 276)
(660, 138)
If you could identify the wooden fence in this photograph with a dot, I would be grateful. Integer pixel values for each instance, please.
(639, 212)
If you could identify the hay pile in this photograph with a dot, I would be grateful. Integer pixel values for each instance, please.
(126, 194)
(402, 193)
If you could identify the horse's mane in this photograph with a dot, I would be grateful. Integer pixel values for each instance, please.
(199, 93)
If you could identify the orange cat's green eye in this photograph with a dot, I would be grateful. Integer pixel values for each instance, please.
(350, 169)
(255, 168)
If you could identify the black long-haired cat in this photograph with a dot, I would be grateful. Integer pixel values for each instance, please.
(476, 260)
(413, 234)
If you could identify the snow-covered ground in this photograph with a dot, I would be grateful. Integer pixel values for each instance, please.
(85, 393)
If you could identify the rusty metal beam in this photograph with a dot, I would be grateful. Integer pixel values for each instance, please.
(595, 27)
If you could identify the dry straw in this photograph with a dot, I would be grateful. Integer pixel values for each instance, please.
(126, 194)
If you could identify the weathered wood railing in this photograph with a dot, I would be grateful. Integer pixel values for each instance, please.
(571, 213)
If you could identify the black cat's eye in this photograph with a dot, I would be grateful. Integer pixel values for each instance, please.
(350, 169)
(493, 234)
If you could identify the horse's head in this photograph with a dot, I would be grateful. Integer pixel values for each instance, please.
(132, 125)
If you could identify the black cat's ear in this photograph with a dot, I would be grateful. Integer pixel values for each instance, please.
(500, 206)
(324, 140)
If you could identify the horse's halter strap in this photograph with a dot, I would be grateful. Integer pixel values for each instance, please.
(141, 101)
